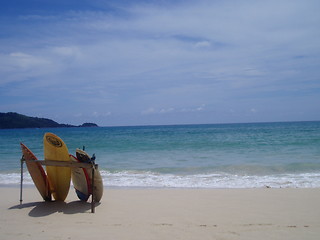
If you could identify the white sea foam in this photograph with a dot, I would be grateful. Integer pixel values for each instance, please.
(150, 179)
(213, 180)
(15, 178)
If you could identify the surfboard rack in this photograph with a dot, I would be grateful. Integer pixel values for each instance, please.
(57, 163)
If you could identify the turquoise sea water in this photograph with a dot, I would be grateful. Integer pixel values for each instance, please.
(191, 156)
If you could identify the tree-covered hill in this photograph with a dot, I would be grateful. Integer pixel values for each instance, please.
(16, 120)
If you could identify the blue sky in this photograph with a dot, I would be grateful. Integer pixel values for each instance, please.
(160, 62)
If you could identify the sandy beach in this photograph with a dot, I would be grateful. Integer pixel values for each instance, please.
(164, 214)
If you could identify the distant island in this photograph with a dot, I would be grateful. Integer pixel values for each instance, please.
(16, 120)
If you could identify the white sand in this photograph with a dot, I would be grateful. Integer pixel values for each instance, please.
(165, 214)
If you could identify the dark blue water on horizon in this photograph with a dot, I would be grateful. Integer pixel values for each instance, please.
(189, 156)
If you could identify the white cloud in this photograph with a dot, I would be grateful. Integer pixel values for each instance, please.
(222, 53)
(203, 44)
(26, 61)
(101, 114)
(166, 110)
(70, 51)
(148, 111)
(152, 110)
(21, 67)
(195, 109)
(172, 109)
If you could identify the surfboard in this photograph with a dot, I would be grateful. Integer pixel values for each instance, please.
(82, 156)
(37, 173)
(81, 181)
(59, 177)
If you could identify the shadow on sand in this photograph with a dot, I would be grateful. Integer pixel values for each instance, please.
(41, 209)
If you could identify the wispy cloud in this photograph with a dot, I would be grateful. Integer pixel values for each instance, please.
(175, 56)
(152, 110)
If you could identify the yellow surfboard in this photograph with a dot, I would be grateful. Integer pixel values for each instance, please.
(37, 173)
(82, 156)
(59, 177)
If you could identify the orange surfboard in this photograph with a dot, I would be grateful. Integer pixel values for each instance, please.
(37, 173)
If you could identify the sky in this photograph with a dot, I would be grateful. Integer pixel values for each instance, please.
(142, 62)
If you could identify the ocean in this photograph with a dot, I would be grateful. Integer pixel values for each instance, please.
(251, 155)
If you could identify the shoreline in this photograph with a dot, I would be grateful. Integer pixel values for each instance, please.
(30, 186)
(166, 213)
(193, 181)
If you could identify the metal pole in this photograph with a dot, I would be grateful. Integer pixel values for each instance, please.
(92, 196)
(21, 179)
